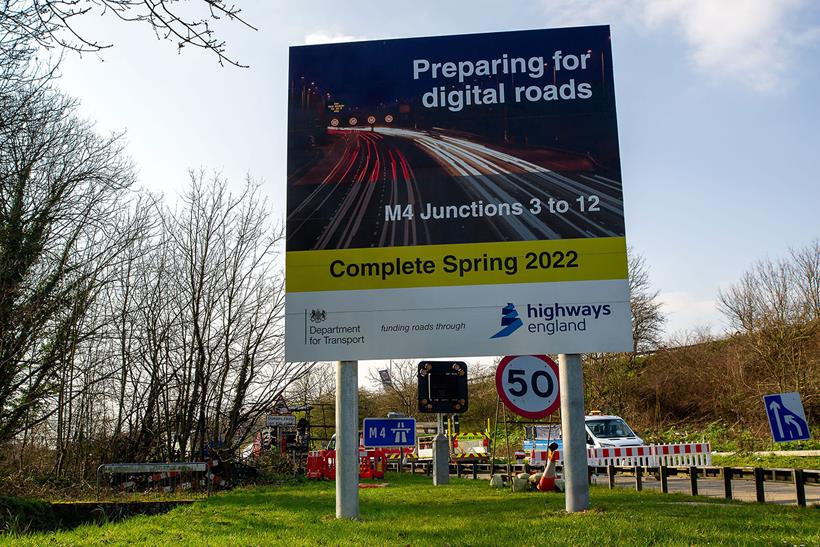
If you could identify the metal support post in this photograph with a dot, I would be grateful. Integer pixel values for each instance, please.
(347, 440)
(571, 382)
(799, 486)
(441, 455)
(759, 488)
(693, 480)
(727, 482)
(664, 479)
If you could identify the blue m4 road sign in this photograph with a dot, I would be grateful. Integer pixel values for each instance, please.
(389, 432)
(787, 419)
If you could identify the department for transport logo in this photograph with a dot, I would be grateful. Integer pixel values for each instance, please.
(510, 322)
(317, 316)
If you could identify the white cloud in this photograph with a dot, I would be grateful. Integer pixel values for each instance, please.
(325, 38)
(750, 41)
(686, 312)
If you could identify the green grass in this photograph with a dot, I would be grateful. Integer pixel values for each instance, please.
(18, 515)
(747, 459)
(410, 511)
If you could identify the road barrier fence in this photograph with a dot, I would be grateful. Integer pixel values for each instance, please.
(160, 477)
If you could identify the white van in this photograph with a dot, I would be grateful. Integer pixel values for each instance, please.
(608, 431)
(602, 431)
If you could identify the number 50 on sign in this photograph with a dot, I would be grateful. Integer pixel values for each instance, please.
(528, 385)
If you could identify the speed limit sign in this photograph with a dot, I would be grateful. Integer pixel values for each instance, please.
(528, 385)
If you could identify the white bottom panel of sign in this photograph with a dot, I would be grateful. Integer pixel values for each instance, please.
(465, 321)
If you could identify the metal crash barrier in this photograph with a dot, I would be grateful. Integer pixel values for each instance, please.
(163, 477)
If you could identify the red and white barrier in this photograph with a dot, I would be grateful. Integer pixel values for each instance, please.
(643, 456)
(653, 455)
(688, 454)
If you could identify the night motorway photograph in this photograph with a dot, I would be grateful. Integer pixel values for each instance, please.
(455, 139)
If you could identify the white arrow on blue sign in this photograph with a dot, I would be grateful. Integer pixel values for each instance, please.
(389, 432)
(787, 419)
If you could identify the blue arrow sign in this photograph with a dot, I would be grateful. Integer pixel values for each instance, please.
(787, 419)
(389, 432)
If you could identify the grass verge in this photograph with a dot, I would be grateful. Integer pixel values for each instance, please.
(410, 511)
(749, 459)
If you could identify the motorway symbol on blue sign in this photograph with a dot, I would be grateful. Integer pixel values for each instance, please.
(787, 419)
(389, 432)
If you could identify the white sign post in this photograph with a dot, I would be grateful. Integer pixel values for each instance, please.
(572, 430)
(347, 440)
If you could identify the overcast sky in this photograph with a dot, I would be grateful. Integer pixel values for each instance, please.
(717, 111)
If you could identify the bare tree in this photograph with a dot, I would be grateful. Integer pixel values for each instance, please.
(61, 189)
(402, 393)
(647, 318)
(775, 307)
(55, 23)
(806, 271)
(610, 376)
(316, 385)
(227, 286)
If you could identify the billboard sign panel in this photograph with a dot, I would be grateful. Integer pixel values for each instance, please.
(455, 196)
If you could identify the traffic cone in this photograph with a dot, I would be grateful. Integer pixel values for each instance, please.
(547, 482)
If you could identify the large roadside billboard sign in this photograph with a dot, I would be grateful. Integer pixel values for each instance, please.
(455, 196)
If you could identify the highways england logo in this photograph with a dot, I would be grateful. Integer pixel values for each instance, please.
(510, 322)
(551, 318)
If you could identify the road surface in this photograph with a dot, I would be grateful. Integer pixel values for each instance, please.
(742, 489)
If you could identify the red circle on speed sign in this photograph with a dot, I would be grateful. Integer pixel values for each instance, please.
(528, 385)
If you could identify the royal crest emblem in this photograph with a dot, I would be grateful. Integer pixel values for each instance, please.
(317, 316)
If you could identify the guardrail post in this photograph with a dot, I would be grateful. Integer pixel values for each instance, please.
(98, 481)
(610, 471)
(475, 470)
(638, 478)
(458, 469)
(727, 482)
(799, 487)
(759, 490)
(693, 479)
(664, 479)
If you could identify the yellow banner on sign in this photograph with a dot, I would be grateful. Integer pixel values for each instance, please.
(587, 259)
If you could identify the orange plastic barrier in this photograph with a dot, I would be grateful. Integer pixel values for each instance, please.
(321, 464)
(315, 464)
(371, 465)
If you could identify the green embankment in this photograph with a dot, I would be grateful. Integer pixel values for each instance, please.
(409, 511)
